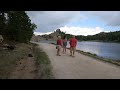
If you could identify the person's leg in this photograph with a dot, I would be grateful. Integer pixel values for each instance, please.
(70, 51)
(74, 48)
(59, 50)
(65, 49)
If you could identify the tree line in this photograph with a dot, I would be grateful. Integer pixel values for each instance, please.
(16, 26)
(102, 36)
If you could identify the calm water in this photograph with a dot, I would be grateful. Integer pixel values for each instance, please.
(102, 49)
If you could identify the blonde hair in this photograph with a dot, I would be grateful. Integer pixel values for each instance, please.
(59, 37)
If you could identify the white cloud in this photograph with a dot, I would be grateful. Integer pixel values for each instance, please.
(39, 33)
(81, 31)
(77, 31)
(50, 20)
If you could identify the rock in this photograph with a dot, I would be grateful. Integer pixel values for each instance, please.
(21, 57)
(7, 46)
(30, 48)
(30, 55)
(11, 47)
(1, 39)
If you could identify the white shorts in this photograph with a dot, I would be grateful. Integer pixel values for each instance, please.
(58, 46)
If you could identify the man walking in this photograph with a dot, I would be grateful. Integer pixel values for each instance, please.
(73, 43)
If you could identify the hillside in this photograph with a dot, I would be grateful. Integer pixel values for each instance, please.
(103, 36)
(52, 36)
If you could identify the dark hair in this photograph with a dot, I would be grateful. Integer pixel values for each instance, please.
(64, 37)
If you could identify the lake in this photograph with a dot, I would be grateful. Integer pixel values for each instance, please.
(102, 49)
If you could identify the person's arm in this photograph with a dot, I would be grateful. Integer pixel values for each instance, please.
(56, 42)
(70, 41)
(61, 42)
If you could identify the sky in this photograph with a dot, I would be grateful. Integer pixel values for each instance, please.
(75, 22)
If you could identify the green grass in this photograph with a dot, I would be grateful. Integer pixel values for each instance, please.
(8, 59)
(43, 64)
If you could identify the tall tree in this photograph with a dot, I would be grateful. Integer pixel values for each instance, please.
(19, 26)
(2, 21)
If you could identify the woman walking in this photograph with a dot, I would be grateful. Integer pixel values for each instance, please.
(64, 44)
(59, 45)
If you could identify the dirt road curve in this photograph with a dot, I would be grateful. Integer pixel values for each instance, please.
(79, 67)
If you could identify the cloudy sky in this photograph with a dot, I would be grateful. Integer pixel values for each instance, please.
(75, 22)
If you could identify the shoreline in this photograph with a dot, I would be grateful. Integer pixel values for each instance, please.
(111, 61)
(115, 62)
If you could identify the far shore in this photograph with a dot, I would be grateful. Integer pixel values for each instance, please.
(89, 41)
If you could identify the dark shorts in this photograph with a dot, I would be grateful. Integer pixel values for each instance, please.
(64, 43)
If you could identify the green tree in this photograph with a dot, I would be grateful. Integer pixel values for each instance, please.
(19, 26)
(2, 22)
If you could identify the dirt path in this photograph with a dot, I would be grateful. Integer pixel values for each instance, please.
(25, 69)
(79, 67)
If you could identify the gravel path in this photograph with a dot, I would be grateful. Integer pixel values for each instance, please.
(80, 66)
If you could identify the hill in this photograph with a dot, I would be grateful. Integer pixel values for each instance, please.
(103, 36)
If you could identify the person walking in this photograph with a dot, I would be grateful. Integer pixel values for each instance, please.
(73, 43)
(64, 44)
(59, 45)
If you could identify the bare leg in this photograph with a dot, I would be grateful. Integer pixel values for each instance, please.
(65, 48)
(70, 51)
(74, 51)
(57, 52)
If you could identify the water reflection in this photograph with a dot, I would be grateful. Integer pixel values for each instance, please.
(89, 47)
(106, 50)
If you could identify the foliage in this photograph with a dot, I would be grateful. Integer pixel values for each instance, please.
(16, 26)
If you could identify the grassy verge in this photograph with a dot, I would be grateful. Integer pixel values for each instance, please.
(115, 62)
(44, 68)
(8, 59)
